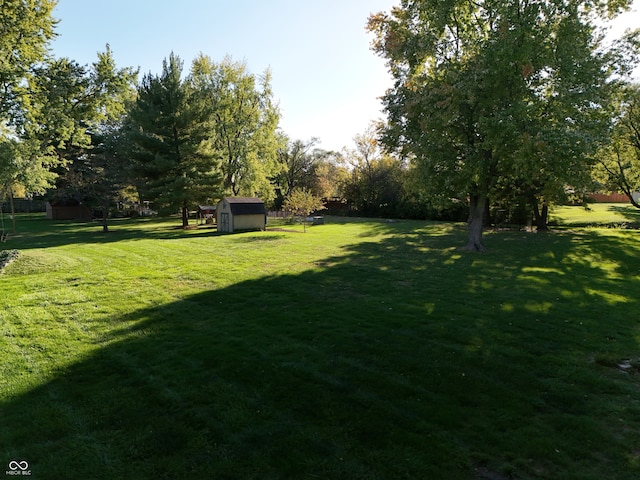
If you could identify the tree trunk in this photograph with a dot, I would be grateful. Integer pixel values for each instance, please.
(541, 217)
(632, 200)
(185, 217)
(477, 203)
(105, 214)
(13, 210)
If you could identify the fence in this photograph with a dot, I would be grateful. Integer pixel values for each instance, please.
(609, 198)
(278, 214)
(23, 205)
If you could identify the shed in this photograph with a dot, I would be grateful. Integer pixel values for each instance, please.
(206, 213)
(68, 210)
(241, 213)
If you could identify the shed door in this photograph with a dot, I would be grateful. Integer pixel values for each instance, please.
(224, 222)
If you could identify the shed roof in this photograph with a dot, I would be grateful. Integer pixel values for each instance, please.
(246, 205)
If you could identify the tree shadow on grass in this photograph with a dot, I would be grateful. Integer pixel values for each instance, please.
(630, 213)
(38, 232)
(402, 358)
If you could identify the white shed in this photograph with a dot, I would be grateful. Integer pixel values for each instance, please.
(241, 213)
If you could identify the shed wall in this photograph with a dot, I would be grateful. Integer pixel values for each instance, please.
(248, 222)
(79, 212)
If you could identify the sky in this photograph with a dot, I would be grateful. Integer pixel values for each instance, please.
(325, 77)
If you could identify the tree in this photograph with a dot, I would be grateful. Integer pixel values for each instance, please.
(48, 124)
(105, 164)
(496, 91)
(331, 174)
(619, 165)
(301, 202)
(376, 183)
(172, 144)
(27, 26)
(66, 109)
(22, 166)
(104, 171)
(297, 166)
(243, 122)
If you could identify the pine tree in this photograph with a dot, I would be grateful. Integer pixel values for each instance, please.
(171, 144)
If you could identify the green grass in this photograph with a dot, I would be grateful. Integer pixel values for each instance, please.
(363, 350)
(597, 214)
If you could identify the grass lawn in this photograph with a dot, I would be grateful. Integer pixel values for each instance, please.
(597, 214)
(357, 350)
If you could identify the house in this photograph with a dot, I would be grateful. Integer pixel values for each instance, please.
(68, 210)
(206, 213)
(241, 213)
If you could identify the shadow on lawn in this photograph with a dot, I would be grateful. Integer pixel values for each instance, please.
(36, 232)
(631, 214)
(400, 359)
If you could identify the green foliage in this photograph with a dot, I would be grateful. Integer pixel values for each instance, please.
(618, 168)
(331, 175)
(26, 27)
(302, 202)
(491, 90)
(377, 180)
(301, 166)
(243, 120)
(297, 166)
(64, 107)
(172, 145)
(22, 163)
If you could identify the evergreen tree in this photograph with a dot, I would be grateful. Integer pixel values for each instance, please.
(171, 140)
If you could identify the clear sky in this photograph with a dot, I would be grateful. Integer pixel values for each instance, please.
(325, 77)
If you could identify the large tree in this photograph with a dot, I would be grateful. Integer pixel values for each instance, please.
(67, 108)
(331, 174)
(105, 168)
(491, 90)
(243, 123)
(172, 145)
(26, 27)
